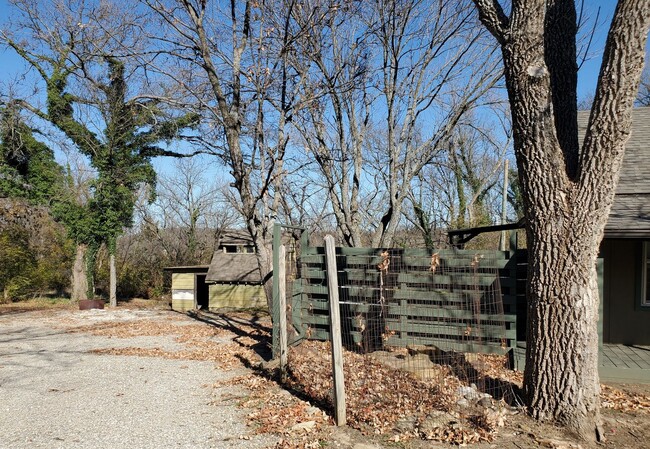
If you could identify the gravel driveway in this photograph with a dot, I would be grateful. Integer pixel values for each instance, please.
(54, 393)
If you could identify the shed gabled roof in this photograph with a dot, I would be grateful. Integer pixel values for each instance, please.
(234, 267)
(630, 214)
(235, 237)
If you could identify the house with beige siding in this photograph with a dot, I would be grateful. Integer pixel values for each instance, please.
(231, 281)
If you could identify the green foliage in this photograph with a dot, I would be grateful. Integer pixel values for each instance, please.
(122, 159)
(121, 155)
(18, 262)
(34, 249)
(27, 167)
(54, 254)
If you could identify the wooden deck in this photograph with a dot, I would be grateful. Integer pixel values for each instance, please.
(623, 363)
(618, 363)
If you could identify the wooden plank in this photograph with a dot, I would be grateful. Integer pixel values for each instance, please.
(453, 262)
(315, 289)
(488, 331)
(335, 333)
(315, 320)
(624, 375)
(282, 297)
(435, 295)
(349, 274)
(448, 345)
(296, 312)
(627, 356)
(456, 330)
(446, 279)
(642, 356)
(415, 310)
(409, 252)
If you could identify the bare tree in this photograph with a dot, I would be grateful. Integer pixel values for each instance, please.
(230, 60)
(189, 214)
(567, 188)
(457, 189)
(392, 80)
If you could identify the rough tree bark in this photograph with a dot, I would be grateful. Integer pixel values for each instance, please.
(567, 188)
(79, 281)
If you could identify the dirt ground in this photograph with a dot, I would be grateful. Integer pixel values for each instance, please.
(238, 343)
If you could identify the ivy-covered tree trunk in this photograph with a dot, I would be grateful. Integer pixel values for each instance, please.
(91, 258)
(567, 188)
(79, 280)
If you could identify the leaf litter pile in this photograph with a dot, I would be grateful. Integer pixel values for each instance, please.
(624, 401)
(392, 402)
(380, 399)
(200, 340)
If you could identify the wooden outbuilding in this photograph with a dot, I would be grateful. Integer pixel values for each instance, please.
(231, 281)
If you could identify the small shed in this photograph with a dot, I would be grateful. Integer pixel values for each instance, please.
(231, 281)
(235, 281)
(189, 288)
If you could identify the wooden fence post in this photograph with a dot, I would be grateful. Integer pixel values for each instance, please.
(335, 331)
(282, 304)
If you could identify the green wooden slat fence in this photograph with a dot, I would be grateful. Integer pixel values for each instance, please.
(419, 306)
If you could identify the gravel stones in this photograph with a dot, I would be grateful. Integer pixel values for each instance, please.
(54, 393)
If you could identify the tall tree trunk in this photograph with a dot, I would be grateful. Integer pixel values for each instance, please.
(113, 281)
(91, 258)
(265, 262)
(79, 281)
(567, 190)
(561, 379)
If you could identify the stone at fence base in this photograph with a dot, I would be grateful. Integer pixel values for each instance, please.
(407, 424)
(436, 422)
(307, 425)
(485, 402)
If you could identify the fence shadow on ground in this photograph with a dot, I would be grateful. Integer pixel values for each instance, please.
(244, 325)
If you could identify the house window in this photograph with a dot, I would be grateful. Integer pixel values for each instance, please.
(645, 288)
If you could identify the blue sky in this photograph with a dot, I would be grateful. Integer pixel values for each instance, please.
(11, 65)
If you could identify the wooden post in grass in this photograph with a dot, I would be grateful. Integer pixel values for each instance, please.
(335, 331)
(282, 304)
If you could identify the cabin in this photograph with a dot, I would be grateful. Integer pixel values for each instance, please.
(624, 263)
(625, 249)
(232, 280)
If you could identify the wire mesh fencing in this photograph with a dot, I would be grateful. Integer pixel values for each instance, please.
(422, 332)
